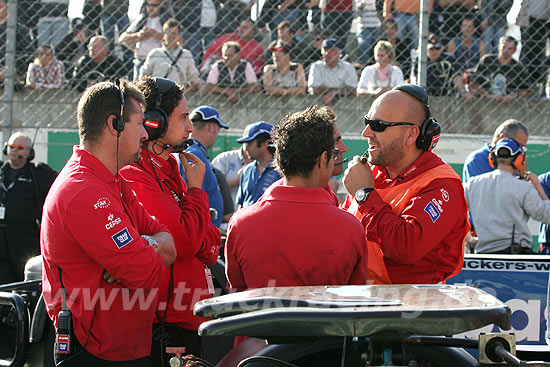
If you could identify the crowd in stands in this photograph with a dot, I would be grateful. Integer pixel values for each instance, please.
(469, 53)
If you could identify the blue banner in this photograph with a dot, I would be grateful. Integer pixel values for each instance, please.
(521, 281)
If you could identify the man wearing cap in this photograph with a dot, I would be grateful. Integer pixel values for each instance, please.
(440, 70)
(283, 76)
(231, 164)
(258, 175)
(501, 204)
(410, 202)
(477, 162)
(294, 220)
(206, 127)
(332, 77)
(231, 75)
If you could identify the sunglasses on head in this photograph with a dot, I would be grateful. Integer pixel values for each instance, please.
(381, 125)
(13, 146)
(152, 4)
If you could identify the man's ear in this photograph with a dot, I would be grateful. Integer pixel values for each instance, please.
(411, 135)
(109, 125)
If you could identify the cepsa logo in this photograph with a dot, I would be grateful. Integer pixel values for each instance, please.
(112, 221)
(102, 203)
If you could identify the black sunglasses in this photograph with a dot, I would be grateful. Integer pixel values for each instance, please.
(381, 125)
(152, 5)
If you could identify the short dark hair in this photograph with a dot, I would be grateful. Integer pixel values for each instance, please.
(100, 101)
(170, 99)
(509, 39)
(286, 23)
(301, 138)
(171, 23)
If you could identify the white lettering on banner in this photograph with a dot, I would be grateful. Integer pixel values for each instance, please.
(506, 265)
(530, 333)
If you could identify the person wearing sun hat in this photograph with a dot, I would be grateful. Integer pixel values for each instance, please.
(258, 175)
(206, 127)
(501, 204)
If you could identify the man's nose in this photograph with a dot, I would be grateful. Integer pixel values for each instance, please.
(367, 132)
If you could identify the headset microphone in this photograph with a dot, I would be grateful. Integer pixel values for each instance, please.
(20, 157)
(344, 160)
(181, 147)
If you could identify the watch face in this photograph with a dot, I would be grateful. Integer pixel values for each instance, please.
(360, 195)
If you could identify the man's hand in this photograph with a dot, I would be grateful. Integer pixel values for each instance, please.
(193, 168)
(357, 176)
(166, 247)
(232, 94)
(109, 278)
(329, 97)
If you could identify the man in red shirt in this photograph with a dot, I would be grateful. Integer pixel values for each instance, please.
(94, 231)
(287, 238)
(184, 209)
(410, 202)
(251, 50)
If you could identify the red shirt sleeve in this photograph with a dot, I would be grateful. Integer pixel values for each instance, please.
(422, 225)
(113, 239)
(233, 272)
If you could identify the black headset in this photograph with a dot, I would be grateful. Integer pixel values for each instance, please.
(430, 130)
(118, 121)
(30, 157)
(156, 119)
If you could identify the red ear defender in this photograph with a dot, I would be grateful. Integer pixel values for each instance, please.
(493, 158)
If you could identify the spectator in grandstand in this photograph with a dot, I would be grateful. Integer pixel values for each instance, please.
(533, 39)
(544, 234)
(466, 48)
(332, 77)
(258, 175)
(45, 72)
(512, 202)
(381, 76)
(53, 23)
(406, 16)
(251, 50)
(231, 13)
(91, 13)
(448, 16)
(477, 161)
(97, 65)
(312, 53)
(206, 127)
(114, 14)
(500, 77)
(299, 50)
(440, 78)
(231, 75)
(337, 18)
(22, 46)
(294, 221)
(283, 77)
(494, 22)
(401, 48)
(231, 164)
(275, 12)
(172, 61)
(73, 46)
(145, 33)
(197, 20)
(368, 28)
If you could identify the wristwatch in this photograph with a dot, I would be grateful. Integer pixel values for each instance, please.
(152, 242)
(362, 195)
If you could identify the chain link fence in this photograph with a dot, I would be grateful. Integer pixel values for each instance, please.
(53, 49)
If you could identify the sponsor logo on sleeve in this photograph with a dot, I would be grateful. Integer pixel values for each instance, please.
(122, 238)
(111, 221)
(102, 203)
(445, 195)
(432, 211)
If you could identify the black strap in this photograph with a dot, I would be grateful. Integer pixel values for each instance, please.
(64, 301)
(174, 61)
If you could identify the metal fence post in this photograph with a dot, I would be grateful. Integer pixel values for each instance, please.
(9, 70)
(423, 41)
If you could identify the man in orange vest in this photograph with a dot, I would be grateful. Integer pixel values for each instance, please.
(409, 201)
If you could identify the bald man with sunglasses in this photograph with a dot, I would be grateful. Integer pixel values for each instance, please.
(410, 202)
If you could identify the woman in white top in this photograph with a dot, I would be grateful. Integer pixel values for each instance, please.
(283, 77)
(381, 76)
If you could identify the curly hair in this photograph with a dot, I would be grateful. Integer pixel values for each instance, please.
(301, 138)
(170, 99)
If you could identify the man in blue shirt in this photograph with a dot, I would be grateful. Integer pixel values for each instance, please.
(477, 162)
(260, 174)
(207, 125)
(544, 235)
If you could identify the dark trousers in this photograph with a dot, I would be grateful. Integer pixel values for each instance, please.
(173, 336)
(81, 357)
(515, 250)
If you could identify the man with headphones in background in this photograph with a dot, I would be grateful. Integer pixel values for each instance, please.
(183, 208)
(94, 231)
(409, 201)
(501, 204)
(23, 189)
